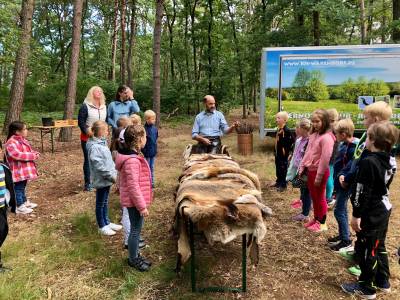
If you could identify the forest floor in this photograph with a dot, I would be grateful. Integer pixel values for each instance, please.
(57, 252)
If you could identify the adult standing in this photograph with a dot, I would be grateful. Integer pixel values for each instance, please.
(209, 126)
(92, 109)
(123, 105)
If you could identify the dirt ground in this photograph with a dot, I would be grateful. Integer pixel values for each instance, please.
(57, 253)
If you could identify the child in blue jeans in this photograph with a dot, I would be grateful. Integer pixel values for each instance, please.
(150, 150)
(344, 131)
(103, 175)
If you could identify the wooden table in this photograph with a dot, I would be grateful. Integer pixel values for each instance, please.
(51, 129)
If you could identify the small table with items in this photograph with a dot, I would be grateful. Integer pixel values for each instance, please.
(51, 129)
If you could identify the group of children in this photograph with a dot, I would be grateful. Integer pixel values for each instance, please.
(360, 170)
(129, 163)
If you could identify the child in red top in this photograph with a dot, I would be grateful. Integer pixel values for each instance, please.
(21, 158)
(316, 164)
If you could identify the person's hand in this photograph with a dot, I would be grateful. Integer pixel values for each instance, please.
(317, 182)
(289, 157)
(129, 94)
(37, 155)
(206, 141)
(355, 224)
(343, 184)
(235, 124)
(89, 132)
(144, 213)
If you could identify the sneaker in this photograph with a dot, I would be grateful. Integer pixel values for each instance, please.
(334, 240)
(385, 287)
(30, 204)
(125, 246)
(22, 209)
(296, 204)
(356, 289)
(310, 223)
(88, 188)
(331, 203)
(114, 226)
(345, 245)
(105, 230)
(355, 270)
(281, 189)
(300, 218)
(318, 227)
(138, 264)
(146, 261)
(142, 245)
(347, 254)
(141, 239)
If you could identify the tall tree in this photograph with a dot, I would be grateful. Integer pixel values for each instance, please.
(316, 28)
(209, 54)
(114, 42)
(21, 66)
(66, 133)
(132, 36)
(238, 59)
(123, 41)
(156, 59)
(170, 23)
(396, 19)
(363, 22)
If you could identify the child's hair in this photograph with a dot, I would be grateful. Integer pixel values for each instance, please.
(149, 114)
(283, 114)
(345, 126)
(14, 127)
(115, 142)
(97, 127)
(133, 135)
(333, 115)
(304, 124)
(135, 119)
(384, 135)
(380, 110)
(323, 115)
(123, 122)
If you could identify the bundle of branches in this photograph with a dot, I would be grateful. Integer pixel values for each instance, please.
(245, 128)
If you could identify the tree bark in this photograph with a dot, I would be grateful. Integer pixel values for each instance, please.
(363, 25)
(396, 17)
(170, 24)
(298, 16)
(316, 28)
(114, 42)
(123, 41)
(239, 61)
(21, 66)
(66, 133)
(210, 23)
(194, 49)
(156, 60)
(132, 40)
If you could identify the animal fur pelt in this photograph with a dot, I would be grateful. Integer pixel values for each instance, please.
(222, 200)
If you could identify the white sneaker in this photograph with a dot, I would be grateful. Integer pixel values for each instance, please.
(30, 204)
(22, 209)
(106, 231)
(114, 226)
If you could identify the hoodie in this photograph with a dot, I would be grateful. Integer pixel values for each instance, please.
(88, 114)
(118, 109)
(371, 197)
(134, 180)
(102, 168)
(344, 155)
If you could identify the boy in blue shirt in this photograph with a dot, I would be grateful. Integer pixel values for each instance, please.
(150, 150)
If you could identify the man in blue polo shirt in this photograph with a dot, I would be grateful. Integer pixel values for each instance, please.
(209, 126)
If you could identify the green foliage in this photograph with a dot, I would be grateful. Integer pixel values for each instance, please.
(350, 89)
(309, 86)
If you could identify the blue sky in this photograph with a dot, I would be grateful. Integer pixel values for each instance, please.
(387, 69)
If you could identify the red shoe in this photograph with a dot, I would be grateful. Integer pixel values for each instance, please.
(311, 223)
(296, 204)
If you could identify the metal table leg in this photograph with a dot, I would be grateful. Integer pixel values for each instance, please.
(52, 139)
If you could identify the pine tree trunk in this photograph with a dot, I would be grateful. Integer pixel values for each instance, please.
(156, 60)
(396, 17)
(21, 66)
(123, 41)
(132, 39)
(66, 133)
(194, 50)
(210, 23)
(239, 61)
(363, 25)
(114, 42)
(316, 28)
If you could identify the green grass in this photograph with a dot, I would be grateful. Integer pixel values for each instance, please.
(307, 107)
(34, 117)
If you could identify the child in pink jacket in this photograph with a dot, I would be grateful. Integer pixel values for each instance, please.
(316, 165)
(135, 189)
